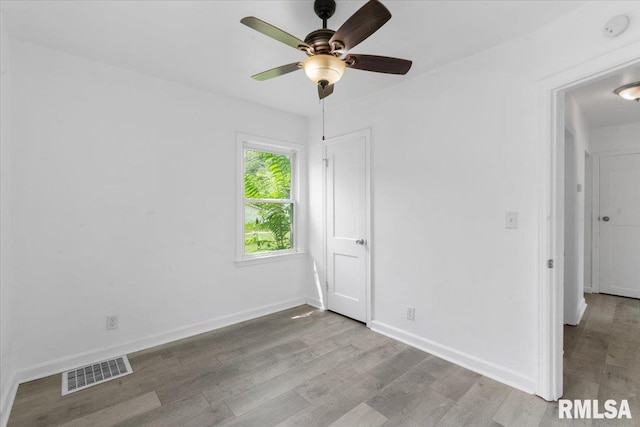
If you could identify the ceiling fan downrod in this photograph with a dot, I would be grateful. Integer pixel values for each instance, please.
(324, 9)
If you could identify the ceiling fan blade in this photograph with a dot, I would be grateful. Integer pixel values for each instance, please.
(325, 91)
(278, 71)
(366, 21)
(273, 32)
(378, 64)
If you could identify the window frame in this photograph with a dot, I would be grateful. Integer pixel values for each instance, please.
(250, 142)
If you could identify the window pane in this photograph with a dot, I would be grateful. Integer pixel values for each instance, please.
(267, 175)
(267, 227)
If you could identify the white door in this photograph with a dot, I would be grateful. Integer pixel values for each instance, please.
(619, 225)
(347, 239)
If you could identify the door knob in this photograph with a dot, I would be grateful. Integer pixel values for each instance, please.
(360, 242)
(605, 218)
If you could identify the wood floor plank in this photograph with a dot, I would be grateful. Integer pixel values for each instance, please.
(397, 396)
(200, 379)
(593, 346)
(521, 409)
(455, 383)
(271, 412)
(361, 415)
(478, 405)
(271, 336)
(577, 387)
(392, 368)
(287, 381)
(193, 412)
(424, 411)
(333, 405)
(117, 413)
(326, 382)
(627, 312)
(346, 371)
(243, 381)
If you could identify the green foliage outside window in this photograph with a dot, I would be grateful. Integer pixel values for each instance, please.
(268, 212)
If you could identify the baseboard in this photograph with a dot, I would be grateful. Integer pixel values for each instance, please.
(315, 302)
(483, 367)
(69, 362)
(581, 309)
(588, 289)
(7, 401)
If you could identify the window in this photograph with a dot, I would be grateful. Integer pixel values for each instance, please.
(269, 204)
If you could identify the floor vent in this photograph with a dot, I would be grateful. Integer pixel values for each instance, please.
(96, 373)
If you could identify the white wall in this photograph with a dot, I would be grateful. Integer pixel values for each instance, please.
(574, 250)
(6, 367)
(624, 137)
(452, 151)
(125, 203)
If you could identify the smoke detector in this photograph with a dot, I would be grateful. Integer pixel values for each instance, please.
(616, 26)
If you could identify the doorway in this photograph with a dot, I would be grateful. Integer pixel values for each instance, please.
(574, 226)
(348, 225)
(551, 262)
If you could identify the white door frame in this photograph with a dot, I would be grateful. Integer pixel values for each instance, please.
(595, 237)
(366, 133)
(589, 205)
(551, 213)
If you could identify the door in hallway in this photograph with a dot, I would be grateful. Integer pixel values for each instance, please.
(347, 239)
(619, 225)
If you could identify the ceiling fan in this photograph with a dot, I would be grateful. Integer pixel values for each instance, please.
(328, 51)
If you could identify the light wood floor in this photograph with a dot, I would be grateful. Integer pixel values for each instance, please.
(304, 367)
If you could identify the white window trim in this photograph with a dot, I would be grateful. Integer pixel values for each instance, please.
(296, 151)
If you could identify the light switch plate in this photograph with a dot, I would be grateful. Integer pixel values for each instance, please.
(511, 220)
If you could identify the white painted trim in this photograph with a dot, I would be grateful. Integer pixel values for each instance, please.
(298, 157)
(589, 290)
(582, 307)
(69, 362)
(551, 237)
(7, 401)
(366, 133)
(577, 316)
(277, 257)
(468, 361)
(595, 224)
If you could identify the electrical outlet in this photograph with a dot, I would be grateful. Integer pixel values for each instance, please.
(411, 313)
(112, 322)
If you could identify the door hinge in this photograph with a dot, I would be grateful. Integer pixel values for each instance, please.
(326, 286)
(550, 263)
(326, 162)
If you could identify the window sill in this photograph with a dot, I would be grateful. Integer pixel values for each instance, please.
(269, 259)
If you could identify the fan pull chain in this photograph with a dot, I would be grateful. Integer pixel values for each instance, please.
(323, 119)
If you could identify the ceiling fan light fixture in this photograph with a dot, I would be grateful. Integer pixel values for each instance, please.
(323, 68)
(630, 92)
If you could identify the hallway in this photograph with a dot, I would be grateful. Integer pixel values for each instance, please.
(602, 353)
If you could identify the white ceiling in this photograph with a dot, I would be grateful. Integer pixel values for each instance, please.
(203, 44)
(602, 107)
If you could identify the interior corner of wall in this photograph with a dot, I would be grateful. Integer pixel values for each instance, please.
(7, 398)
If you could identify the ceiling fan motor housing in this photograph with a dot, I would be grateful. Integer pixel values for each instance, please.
(318, 40)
